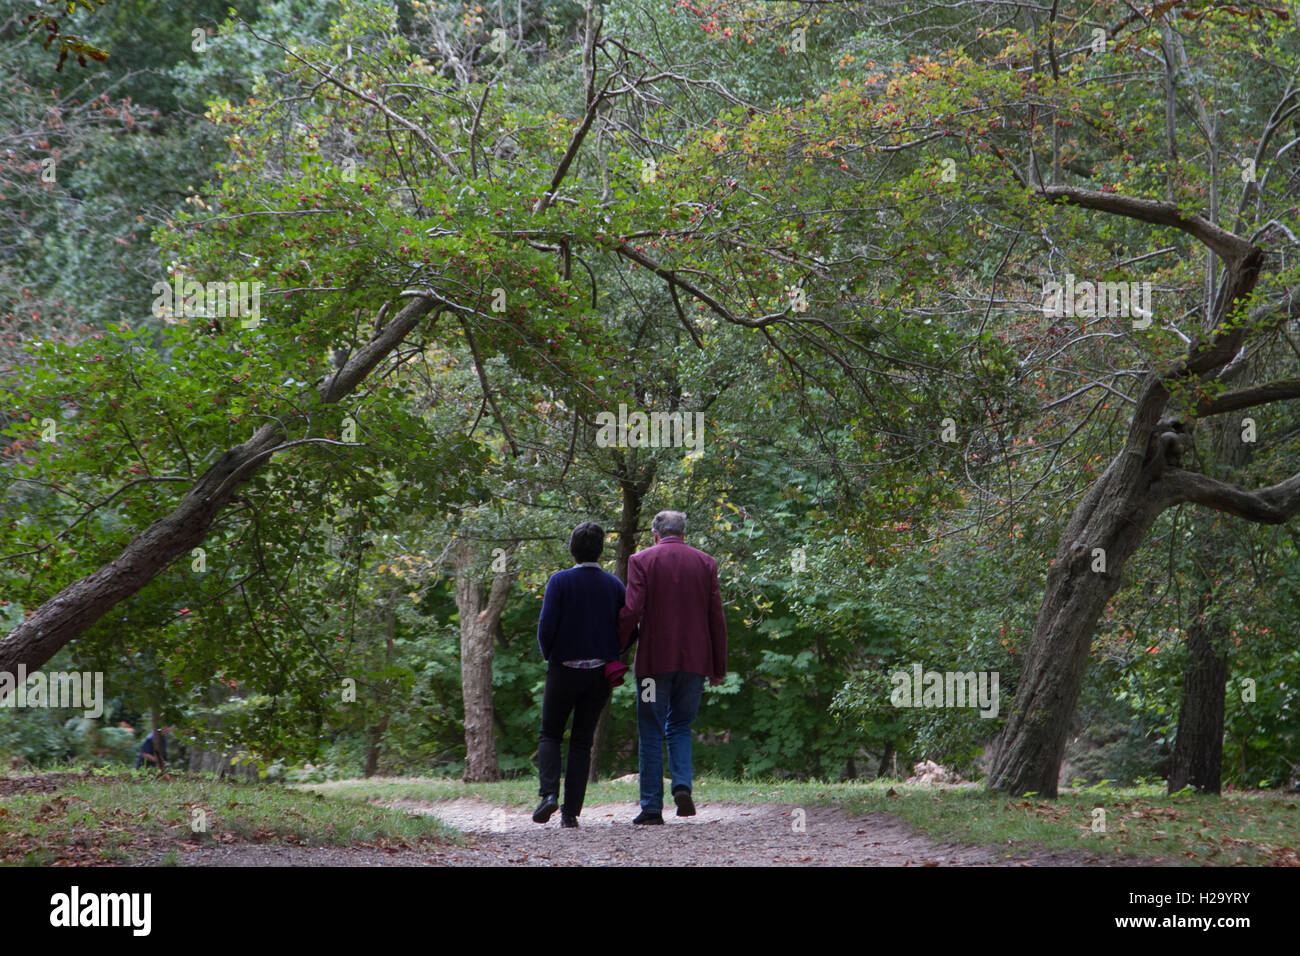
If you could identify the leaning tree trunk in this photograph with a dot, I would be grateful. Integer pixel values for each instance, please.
(1103, 534)
(1105, 531)
(79, 605)
(1118, 511)
(480, 610)
(1198, 748)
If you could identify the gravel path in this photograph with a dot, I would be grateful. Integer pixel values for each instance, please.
(719, 835)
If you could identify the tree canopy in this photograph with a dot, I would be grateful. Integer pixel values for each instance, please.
(986, 314)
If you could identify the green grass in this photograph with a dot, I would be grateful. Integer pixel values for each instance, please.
(1243, 829)
(111, 817)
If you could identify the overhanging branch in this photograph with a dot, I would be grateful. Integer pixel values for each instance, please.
(1272, 505)
(1230, 247)
(1249, 397)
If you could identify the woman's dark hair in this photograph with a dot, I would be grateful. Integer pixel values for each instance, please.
(587, 541)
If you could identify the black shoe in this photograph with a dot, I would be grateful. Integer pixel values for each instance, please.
(655, 819)
(568, 821)
(548, 806)
(682, 797)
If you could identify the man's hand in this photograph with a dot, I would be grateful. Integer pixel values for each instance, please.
(716, 681)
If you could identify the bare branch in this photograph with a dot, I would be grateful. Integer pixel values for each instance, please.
(673, 279)
(487, 389)
(681, 317)
(397, 118)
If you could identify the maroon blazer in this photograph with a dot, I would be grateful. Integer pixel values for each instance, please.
(673, 594)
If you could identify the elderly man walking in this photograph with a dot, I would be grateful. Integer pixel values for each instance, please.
(673, 595)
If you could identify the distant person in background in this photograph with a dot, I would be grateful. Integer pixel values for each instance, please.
(578, 635)
(154, 753)
(673, 594)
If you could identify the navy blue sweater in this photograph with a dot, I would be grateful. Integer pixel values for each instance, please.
(580, 615)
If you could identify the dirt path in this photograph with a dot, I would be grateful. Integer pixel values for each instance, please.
(720, 835)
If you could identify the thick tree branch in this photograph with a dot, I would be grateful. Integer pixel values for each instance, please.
(372, 353)
(1248, 397)
(1243, 260)
(1230, 247)
(1272, 505)
(79, 605)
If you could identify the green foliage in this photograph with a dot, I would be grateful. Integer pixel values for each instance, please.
(851, 203)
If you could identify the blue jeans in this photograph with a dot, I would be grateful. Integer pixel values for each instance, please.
(670, 714)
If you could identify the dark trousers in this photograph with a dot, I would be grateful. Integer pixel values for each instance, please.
(581, 693)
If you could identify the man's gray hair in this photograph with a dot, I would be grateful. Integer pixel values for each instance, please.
(668, 524)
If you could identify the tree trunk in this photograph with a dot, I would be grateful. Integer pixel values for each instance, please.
(476, 687)
(1115, 517)
(1198, 748)
(372, 750)
(153, 727)
(79, 605)
(1119, 509)
(480, 611)
(386, 698)
(635, 483)
(885, 759)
